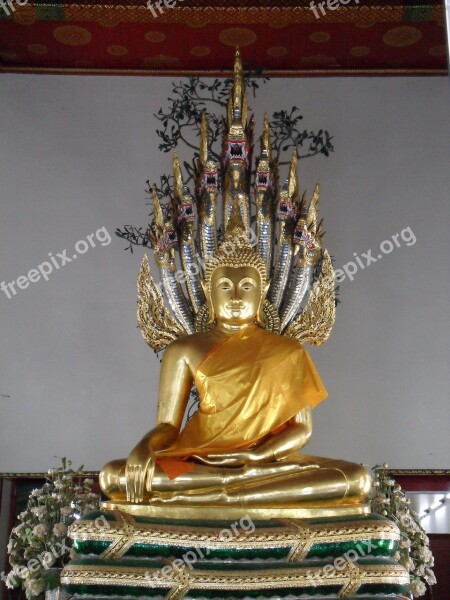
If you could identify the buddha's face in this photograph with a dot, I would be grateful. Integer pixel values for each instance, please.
(236, 294)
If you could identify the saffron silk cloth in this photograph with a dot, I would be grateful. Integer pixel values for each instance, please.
(250, 385)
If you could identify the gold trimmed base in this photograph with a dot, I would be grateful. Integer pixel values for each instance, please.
(234, 512)
(179, 580)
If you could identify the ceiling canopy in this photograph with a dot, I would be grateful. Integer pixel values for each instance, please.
(287, 37)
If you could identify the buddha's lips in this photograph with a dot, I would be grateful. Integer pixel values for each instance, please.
(235, 307)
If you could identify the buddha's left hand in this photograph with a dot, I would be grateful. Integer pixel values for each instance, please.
(235, 459)
(276, 447)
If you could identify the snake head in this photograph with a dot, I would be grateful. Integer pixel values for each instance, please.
(185, 208)
(236, 146)
(287, 207)
(263, 179)
(162, 233)
(237, 150)
(163, 241)
(307, 241)
(210, 178)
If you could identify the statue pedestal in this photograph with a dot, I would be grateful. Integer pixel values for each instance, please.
(123, 555)
(216, 513)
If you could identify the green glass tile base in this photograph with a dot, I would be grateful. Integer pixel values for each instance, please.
(366, 535)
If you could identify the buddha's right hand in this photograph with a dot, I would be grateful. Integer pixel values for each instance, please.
(140, 465)
(139, 470)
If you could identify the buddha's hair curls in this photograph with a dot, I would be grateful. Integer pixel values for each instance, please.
(235, 252)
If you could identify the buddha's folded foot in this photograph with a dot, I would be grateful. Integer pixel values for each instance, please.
(265, 471)
(192, 498)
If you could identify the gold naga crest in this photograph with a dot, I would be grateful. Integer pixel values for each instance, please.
(288, 239)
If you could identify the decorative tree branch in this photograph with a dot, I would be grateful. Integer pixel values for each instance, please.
(287, 135)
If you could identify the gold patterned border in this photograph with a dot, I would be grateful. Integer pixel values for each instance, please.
(278, 17)
(430, 72)
(434, 472)
(197, 17)
(351, 577)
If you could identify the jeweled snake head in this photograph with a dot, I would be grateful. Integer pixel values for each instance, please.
(287, 208)
(185, 212)
(236, 150)
(163, 240)
(263, 179)
(185, 209)
(306, 241)
(167, 241)
(162, 234)
(210, 181)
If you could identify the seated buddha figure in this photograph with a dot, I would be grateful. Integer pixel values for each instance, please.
(243, 447)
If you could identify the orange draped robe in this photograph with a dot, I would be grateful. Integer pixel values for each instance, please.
(250, 385)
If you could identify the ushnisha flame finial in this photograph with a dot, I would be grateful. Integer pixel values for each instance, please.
(288, 233)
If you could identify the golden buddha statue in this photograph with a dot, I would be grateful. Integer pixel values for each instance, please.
(236, 333)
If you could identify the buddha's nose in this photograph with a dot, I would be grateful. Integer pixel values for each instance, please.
(236, 302)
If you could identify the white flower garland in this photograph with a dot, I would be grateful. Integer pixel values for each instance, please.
(414, 552)
(40, 541)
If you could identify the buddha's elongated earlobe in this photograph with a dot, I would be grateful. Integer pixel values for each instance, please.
(211, 312)
(260, 318)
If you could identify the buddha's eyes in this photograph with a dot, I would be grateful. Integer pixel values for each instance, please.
(247, 285)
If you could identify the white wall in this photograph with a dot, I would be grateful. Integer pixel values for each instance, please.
(75, 155)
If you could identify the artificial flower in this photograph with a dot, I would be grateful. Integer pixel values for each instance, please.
(39, 530)
(50, 511)
(59, 529)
